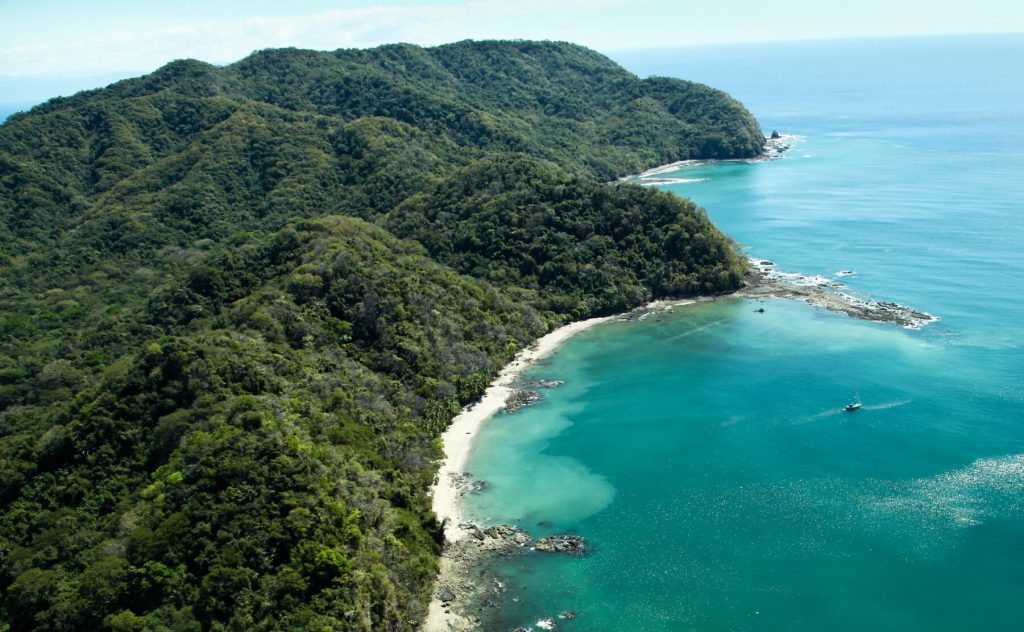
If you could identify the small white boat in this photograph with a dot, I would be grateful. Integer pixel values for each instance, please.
(852, 407)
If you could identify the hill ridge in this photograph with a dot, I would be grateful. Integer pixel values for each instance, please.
(239, 304)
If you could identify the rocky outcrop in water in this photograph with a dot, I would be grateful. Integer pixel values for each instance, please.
(570, 544)
(470, 590)
(520, 399)
(544, 383)
(776, 145)
(764, 281)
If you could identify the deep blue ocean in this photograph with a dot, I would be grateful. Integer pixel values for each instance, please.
(706, 459)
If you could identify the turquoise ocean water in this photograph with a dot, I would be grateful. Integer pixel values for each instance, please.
(705, 458)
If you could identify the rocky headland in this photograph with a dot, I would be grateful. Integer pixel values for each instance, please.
(764, 281)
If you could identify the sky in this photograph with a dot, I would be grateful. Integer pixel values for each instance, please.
(47, 45)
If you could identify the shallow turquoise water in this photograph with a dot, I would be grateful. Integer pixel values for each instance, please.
(705, 457)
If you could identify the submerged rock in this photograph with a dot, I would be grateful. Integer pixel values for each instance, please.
(545, 383)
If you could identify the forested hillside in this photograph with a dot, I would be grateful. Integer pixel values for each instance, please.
(238, 305)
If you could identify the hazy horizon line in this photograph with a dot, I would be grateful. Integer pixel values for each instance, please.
(38, 88)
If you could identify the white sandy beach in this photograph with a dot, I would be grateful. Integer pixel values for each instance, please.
(459, 437)
(660, 169)
(458, 441)
(772, 150)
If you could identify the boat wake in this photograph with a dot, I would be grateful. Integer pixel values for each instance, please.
(831, 412)
(696, 330)
(888, 405)
(840, 411)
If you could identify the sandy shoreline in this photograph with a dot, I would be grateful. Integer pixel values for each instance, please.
(458, 439)
(458, 555)
(653, 171)
(773, 149)
(460, 435)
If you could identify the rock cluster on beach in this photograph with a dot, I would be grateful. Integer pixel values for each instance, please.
(463, 483)
(524, 397)
(521, 398)
(505, 538)
(468, 590)
(460, 482)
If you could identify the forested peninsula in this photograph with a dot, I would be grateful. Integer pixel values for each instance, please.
(239, 305)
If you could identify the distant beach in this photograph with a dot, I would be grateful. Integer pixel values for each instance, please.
(773, 149)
